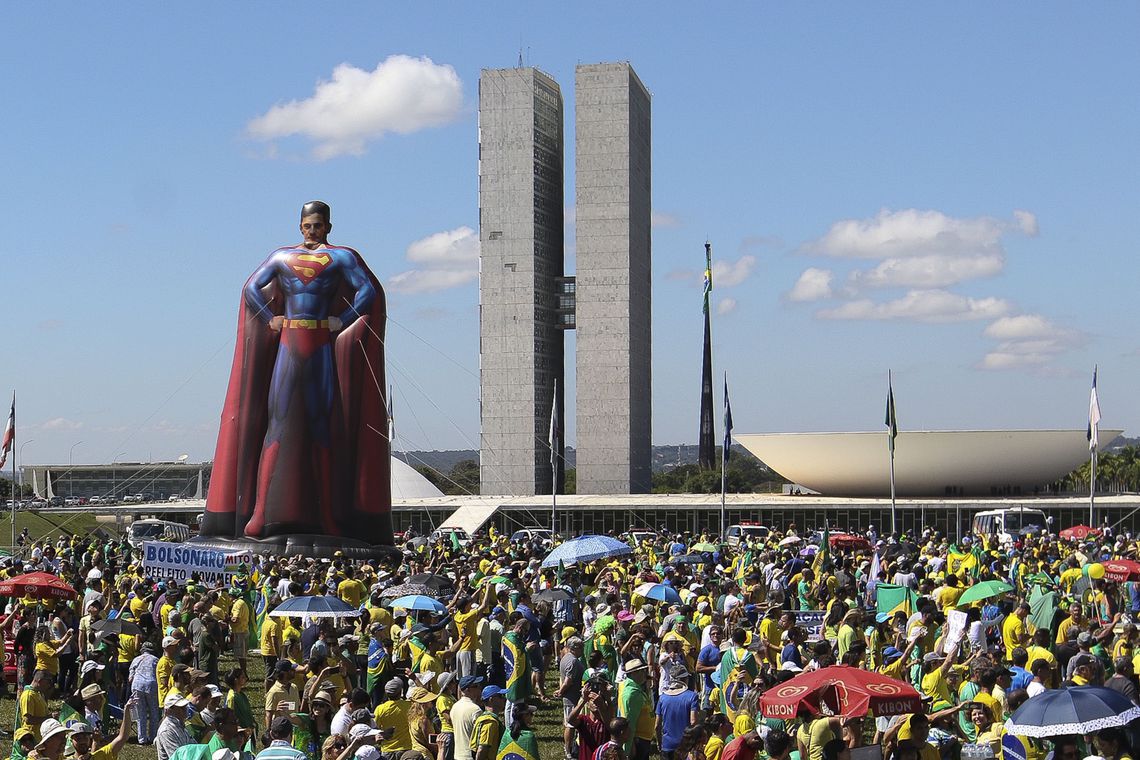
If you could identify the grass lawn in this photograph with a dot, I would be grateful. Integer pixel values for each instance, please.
(549, 719)
(50, 526)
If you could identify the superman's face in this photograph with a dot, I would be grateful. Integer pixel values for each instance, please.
(315, 230)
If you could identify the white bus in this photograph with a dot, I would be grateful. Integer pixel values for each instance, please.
(1009, 523)
(156, 530)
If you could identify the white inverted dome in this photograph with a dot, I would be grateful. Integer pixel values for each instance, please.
(932, 463)
(408, 483)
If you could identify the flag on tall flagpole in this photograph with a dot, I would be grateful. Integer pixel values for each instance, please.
(555, 431)
(892, 421)
(727, 426)
(9, 434)
(708, 275)
(1094, 417)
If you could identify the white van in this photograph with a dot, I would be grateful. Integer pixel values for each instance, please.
(156, 530)
(1008, 524)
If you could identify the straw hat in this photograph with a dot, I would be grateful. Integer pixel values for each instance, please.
(421, 695)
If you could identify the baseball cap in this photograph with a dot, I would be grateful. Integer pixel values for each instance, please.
(890, 654)
(175, 700)
(79, 727)
(789, 665)
(933, 657)
(1085, 639)
(169, 641)
(88, 666)
(468, 681)
(492, 691)
(367, 752)
(280, 724)
(224, 754)
(882, 617)
(284, 666)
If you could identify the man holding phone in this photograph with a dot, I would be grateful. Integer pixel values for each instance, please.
(282, 693)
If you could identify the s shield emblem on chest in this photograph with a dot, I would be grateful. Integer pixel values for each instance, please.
(307, 266)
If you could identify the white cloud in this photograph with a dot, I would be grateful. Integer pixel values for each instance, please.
(921, 306)
(728, 274)
(813, 285)
(402, 95)
(1026, 222)
(929, 271)
(1027, 341)
(61, 423)
(429, 280)
(726, 306)
(446, 260)
(911, 232)
(458, 247)
(662, 219)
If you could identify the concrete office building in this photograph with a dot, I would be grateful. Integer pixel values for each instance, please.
(613, 266)
(521, 255)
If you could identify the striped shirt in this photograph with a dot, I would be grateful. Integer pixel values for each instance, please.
(279, 749)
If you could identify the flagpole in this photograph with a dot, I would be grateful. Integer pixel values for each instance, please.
(892, 431)
(1092, 487)
(13, 472)
(555, 433)
(724, 459)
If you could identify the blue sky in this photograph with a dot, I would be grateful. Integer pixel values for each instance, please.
(949, 191)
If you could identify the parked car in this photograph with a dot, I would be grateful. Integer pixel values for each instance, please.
(543, 536)
(737, 534)
(444, 534)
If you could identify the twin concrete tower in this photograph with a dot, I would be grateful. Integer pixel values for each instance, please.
(527, 301)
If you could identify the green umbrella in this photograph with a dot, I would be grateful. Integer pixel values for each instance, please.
(704, 546)
(983, 590)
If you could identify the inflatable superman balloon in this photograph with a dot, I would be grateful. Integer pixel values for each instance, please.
(302, 461)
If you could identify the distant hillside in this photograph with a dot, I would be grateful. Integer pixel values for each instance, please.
(664, 457)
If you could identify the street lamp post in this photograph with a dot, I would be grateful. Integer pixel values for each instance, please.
(70, 472)
(114, 462)
(25, 443)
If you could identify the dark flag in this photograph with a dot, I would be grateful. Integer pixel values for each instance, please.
(706, 441)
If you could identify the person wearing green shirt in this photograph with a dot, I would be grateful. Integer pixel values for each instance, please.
(635, 704)
(803, 589)
(850, 632)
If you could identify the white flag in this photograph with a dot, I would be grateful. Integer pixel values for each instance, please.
(1094, 417)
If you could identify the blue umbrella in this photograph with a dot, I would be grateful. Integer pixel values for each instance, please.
(1076, 710)
(418, 602)
(658, 592)
(313, 606)
(586, 549)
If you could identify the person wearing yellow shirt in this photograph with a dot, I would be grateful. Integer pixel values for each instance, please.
(1125, 646)
(1013, 633)
(47, 649)
(466, 617)
(239, 626)
(164, 667)
(770, 634)
(935, 667)
(895, 662)
(1076, 617)
(1039, 650)
(720, 728)
(350, 590)
(33, 703)
(271, 641)
(951, 592)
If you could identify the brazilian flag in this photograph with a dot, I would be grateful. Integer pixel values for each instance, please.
(961, 562)
(892, 598)
(515, 667)
(521, 747)
(378, 664)
(261, 609)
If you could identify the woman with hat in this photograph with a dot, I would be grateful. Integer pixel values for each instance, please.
(421, 722)
(312, 728)
(85, 737)
(53, 739)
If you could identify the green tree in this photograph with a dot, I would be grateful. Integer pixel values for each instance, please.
(571, 481)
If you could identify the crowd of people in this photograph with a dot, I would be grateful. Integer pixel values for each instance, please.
(581, 653)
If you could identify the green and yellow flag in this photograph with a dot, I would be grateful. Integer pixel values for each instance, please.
(891, 599)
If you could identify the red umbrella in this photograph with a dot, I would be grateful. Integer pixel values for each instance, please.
(37, 586)
(848, 541)
(1078, 532)
(1121, 570)
(841, 690)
